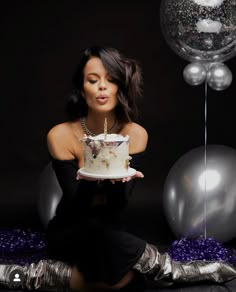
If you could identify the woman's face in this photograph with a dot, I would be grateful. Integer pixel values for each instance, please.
(99, 90)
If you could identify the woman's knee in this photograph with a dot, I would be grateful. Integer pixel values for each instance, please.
(124, 281)
(77, 282)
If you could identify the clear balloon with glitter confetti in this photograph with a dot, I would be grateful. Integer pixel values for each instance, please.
(200, 30)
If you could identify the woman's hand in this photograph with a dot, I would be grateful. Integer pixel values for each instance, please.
(138, 174)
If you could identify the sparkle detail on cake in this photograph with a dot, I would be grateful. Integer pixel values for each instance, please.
(106, 154)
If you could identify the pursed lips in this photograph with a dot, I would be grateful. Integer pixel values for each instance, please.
(102, 99)
(103, 96)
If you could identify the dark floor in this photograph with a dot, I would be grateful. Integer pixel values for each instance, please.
(229, 286)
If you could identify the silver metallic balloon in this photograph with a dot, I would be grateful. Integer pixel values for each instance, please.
(194, 73)
(219, 76)
(200, 30)
(50, 194)
(199, 195)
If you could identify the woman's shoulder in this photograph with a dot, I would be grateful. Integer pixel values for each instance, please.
(134, 129)
(59, 140)
(59, 130)
(138, 137)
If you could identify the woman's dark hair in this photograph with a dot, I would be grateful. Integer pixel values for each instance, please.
(125, 72)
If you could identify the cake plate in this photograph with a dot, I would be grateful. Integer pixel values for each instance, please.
(130, 172)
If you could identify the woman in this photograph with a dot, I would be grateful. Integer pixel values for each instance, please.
(86, 240)
(108, 85)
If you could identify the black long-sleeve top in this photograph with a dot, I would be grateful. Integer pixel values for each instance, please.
(78, 195)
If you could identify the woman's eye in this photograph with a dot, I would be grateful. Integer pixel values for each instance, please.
(92, 81)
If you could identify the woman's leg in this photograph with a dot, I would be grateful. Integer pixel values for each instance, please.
(43, 274)
(53, 275)
(160, 267)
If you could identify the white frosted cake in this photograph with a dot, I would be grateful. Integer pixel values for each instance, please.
(106, 154)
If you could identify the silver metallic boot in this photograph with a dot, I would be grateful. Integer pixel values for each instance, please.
(161, 268)
(44, 275)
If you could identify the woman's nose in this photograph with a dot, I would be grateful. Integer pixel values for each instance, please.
(102, 85)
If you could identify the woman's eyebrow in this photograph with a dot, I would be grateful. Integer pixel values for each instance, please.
(96, 74)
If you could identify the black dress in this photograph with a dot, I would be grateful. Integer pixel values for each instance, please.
(93, 236)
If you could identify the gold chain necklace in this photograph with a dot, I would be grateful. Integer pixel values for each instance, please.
(88, 132)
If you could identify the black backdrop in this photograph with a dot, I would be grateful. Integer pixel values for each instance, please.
(39, 51)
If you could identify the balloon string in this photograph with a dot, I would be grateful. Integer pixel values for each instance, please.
(205, 161)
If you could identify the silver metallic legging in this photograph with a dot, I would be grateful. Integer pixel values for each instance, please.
(46, 274)
(160, 267)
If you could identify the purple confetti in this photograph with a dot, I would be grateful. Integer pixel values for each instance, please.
(207, 249)
(21, 246)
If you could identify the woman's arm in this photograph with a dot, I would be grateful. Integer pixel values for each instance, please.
(59, 141)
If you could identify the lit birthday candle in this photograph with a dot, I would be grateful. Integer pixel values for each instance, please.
(105, 128)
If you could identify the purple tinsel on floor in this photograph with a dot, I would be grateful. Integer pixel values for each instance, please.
(207, 249)
(21, 246)
(24, 246)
